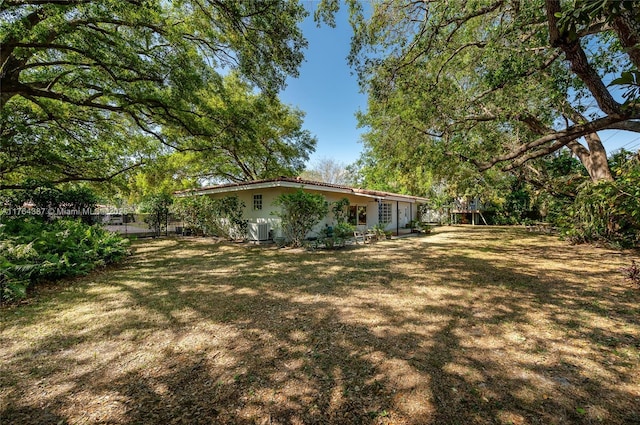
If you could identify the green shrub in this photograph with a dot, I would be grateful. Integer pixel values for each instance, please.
(221, 217)
(228, 221)
(336, 236)
(340, 210)
(607, 212)
(47, 201)
(344, 230)
(194, 211)
(157, 206)
(300, 211)
(33, 250)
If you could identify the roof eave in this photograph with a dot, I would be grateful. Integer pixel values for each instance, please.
(303, 184)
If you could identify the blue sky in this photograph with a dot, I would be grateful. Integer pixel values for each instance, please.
(329, 94)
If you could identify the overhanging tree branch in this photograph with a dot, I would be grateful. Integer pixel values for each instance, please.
(560, 138)
(77, 178)
(577, 57)
(628, 125)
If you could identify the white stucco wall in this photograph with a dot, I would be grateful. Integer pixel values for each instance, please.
(269, 195)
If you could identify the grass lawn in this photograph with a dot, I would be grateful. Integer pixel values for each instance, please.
(470, 325)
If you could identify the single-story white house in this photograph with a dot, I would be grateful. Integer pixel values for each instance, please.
(367, 207)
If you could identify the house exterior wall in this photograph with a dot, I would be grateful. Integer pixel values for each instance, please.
(399, 210)
(264, 215)
(406, 212)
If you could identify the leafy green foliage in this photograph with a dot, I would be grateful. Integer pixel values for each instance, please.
(343, 230)
(229, 221)
(630, 80)
(48, 201)
(516, 205)
(299, 212)
(13, 281)
(208, 216)
(608, 212)
(32, 250)
(195, 212)
(94, 89)
(340, 210)
(458, 86)
(584, 12)
(157, 206)
(408, 170)
(553, 183)
(253, 136)
(336, 236)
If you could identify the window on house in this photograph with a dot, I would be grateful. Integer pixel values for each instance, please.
(353, 215)
(357, 215)
(257, 202)
(385, 213)
(362, 215)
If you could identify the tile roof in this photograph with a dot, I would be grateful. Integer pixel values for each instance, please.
(299, 181)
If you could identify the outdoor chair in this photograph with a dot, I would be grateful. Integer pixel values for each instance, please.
(368, 237)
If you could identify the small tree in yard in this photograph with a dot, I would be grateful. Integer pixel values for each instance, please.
(300, 211)
(195, 212)
(221, 217)
(157, 206)
(342, 230)
(228, 221)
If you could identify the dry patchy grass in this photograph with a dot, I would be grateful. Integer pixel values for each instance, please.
(466, 326)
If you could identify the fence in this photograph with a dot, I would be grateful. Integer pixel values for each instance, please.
(136, 225)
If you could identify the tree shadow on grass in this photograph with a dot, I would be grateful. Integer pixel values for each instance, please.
(418, 334)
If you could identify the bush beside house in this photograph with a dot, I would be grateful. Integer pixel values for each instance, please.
(300, 211)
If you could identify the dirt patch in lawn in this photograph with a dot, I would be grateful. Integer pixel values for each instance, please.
(470, 325)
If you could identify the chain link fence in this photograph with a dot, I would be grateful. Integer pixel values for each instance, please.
(138, 225)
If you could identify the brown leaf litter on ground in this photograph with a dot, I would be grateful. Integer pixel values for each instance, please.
(470, 325)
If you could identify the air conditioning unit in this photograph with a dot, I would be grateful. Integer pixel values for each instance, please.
(258, 231)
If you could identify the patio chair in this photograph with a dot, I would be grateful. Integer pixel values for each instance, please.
(370, 236)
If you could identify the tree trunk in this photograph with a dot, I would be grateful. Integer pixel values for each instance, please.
(578, 61)
(627, 26)
(594, 159)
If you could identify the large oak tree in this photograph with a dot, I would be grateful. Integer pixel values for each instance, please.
(254, 136)
(87, 87)
(496, 82)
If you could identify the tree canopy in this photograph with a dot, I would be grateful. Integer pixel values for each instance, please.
(89, 86)
(255, 136)
(252, 136)
(495, 82)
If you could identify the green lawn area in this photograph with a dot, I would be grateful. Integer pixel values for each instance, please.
(469, 325)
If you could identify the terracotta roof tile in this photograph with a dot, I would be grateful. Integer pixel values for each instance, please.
(304, 182)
